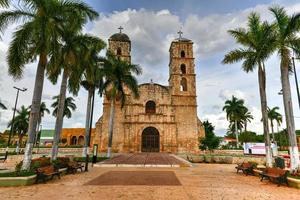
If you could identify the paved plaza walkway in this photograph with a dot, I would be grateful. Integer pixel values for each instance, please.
(203, 181)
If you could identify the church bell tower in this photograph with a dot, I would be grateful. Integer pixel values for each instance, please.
(119, 44)
(182, 81)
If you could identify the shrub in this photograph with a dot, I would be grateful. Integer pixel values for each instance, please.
(61, 162)
(35, 163)
(17, 174)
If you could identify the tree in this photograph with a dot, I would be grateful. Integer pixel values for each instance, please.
(211, 141)
(92, 79)
(287, 40)
(35, 38)
(20, 124)
(258, 44)
(234, 109)
(69, 106)
(246, 118)
(68, 61)
(274, 115)
(118, 77)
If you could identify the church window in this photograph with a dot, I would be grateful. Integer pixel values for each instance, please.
(183, 84)
(150, 107)
(119, 51)
(182, 54)
(183, 69)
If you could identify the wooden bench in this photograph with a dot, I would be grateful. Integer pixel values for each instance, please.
(74, 166)
(275, 174)
(47, 171)
(246, 168)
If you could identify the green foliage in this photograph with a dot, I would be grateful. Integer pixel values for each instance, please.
(17, 174)
(35, 163)
(211, 141)
(61, 162)
(69, 106)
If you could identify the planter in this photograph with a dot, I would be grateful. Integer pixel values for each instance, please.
(293, 182)
(17, 181)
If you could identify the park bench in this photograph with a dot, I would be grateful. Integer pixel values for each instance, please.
(275, 174)
(74, 166)
(45, 172)
(245, 167)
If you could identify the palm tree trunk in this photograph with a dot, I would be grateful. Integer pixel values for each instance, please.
(87, 123)
(245, 123)
(60, 115)
(111, 127)
(35, 110)
(272, 129)
(264, 111)
(288, 108)
(236, 133)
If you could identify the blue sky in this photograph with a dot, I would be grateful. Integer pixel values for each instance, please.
(151, 26)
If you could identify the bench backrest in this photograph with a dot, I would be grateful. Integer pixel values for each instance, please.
(47, 169)
(277, 171)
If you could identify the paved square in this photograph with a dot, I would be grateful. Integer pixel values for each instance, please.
(136, 178)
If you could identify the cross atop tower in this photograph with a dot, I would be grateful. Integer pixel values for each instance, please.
(180, 34)
(120, 28)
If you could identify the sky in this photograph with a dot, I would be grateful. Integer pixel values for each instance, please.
(151, 26)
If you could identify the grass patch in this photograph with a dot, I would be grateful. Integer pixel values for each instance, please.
(17, 174)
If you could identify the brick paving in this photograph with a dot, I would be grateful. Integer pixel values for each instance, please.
(144, 159)
(203, 181)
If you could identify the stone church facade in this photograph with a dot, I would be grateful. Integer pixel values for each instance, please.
(163, 118)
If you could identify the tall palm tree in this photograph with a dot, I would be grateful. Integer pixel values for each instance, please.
(287, 40)
(43, 110)
(274, 115)
(69, 106)
(92, 79)
(119, 76)
(35, 38)
(258, 44)
(246, 117)
(234, 109)
(20, 124)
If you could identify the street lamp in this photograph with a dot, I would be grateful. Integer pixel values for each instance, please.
(13, 119)
(296, 80)
(91, 123)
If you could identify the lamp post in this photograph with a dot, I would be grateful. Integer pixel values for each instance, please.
(12, 122)
(296, 80)
(91, 123)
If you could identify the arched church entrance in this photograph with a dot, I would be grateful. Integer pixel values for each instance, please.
(150, 140)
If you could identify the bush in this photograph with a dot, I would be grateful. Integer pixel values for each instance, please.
(61, 162)
(35, 163)
(17, 174)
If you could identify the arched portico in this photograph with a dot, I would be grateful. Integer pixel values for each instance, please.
(150, 140)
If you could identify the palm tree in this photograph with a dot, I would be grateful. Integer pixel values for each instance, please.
(119, 76)
(274, 115)
(20, 124)
(35, 38)
(69, 106)
(287, 40)
(246, 118)
(43, 110)
(92, 79)
(234, 109)
(258, 42)
(2, 106)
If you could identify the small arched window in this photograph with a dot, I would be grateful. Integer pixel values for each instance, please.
(183, 84)
(150, 107)
(183, 69)
(182, 54)
(119, 51)
(74, 140)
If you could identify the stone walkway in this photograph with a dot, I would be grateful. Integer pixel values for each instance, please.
(203, 181)
(144, 160)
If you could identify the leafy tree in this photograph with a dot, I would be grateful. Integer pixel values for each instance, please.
(258, 42)
(234, 109)
(274, 115)
(119, 75)
(287, 40)
(211, 141)
(36, 38)
(20, 124)
(69, 106)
